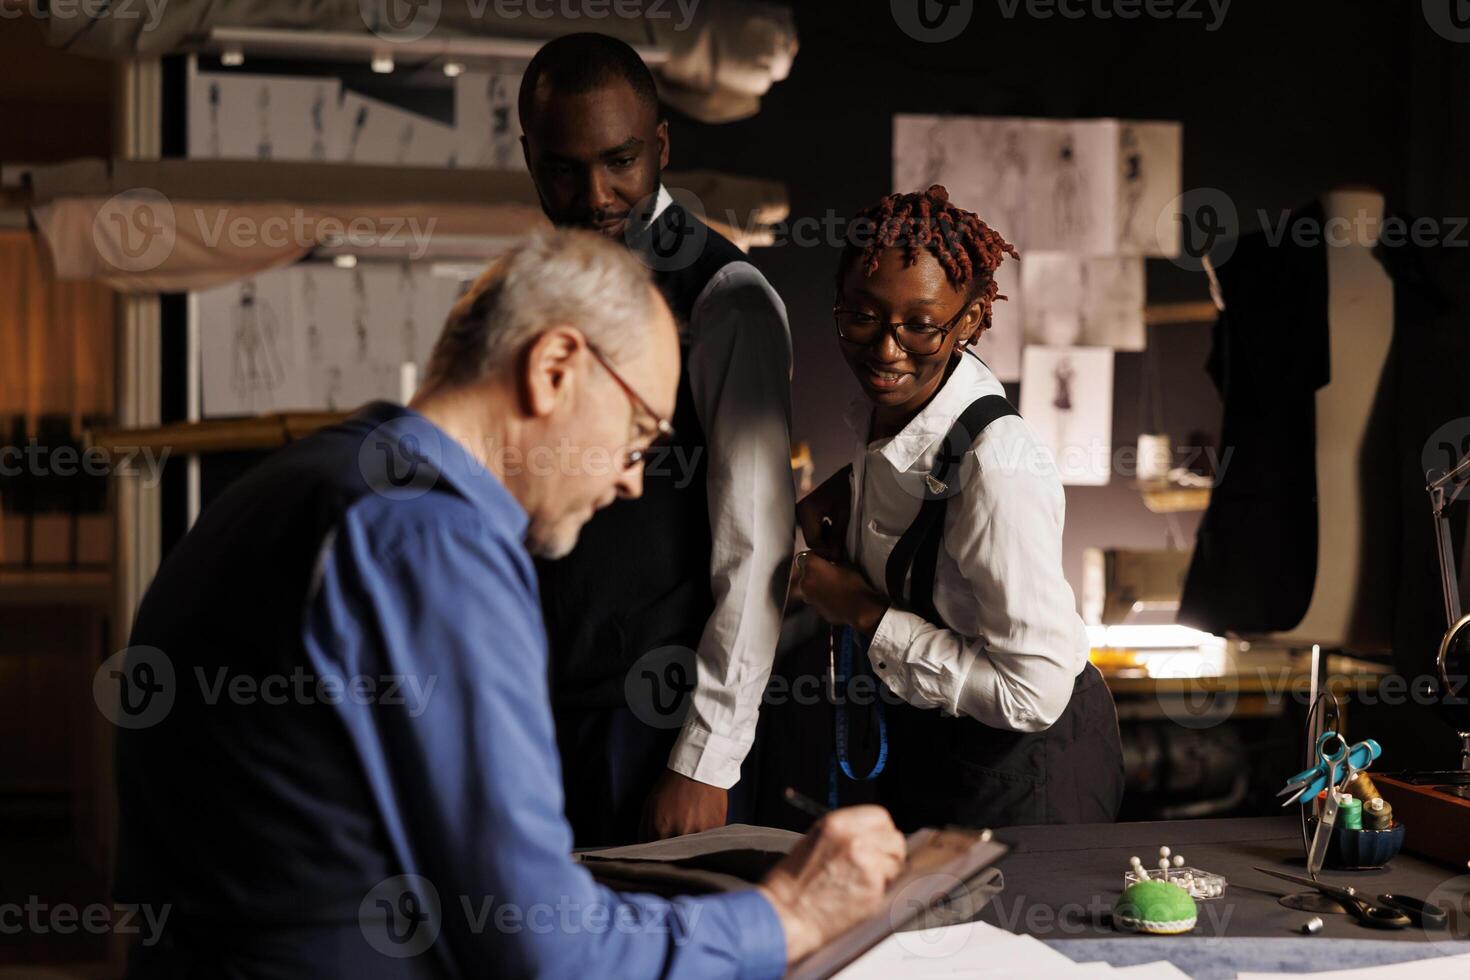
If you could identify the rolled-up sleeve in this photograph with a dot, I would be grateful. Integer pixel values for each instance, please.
(1004, 533)
(466, 774)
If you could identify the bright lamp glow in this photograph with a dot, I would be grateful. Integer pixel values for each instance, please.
(1161, 636)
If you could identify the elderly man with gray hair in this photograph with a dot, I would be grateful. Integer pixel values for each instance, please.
(337, 755)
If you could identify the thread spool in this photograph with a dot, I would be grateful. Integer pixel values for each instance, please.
(1350, 813)
(1361, 786)
(1377, 815)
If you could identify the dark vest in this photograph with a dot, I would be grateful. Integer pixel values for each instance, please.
(639, 578)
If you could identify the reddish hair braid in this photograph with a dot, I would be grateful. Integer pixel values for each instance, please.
(967, 248)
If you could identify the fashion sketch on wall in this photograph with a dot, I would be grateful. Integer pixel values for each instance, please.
(1086, 186)
(1149, 173)
(1067, 399)
(487, 127)
(250, 358)
(381, 133)
(236, 116)
(1074, 300)
(315, 337)
(256, 358)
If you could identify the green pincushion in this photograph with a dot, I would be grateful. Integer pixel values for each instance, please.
(1156, 907)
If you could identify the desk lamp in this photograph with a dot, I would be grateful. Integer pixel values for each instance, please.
(1452, 664)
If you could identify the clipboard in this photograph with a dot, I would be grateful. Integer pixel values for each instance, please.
(940, 862)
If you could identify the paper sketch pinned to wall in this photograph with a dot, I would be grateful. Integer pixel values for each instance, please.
(1071, 187)
(317, 337)
(1067, 398)
(939, 150)
(486, 125)
(1000, 346)
(979, 160)
(1072, 300)
(1088, 186)
(375, 132)
(1006, 188)
(1150, 157)
(262, 117)
(250, 354)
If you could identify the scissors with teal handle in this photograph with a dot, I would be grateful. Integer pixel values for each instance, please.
(1305, 785)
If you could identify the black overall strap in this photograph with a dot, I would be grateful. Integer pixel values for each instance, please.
(918, 548)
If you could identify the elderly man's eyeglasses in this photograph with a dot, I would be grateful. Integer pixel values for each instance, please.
(663, 429)
(915, 338)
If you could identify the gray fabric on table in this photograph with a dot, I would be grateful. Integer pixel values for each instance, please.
(1221, 959)
(1062, 881)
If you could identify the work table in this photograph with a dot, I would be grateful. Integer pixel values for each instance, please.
(1060, 883)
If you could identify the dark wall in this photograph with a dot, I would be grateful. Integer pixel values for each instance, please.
(53, 105)
(1279, 103)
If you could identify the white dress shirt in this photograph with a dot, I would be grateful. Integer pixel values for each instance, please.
(1017, 643)
(739, 368)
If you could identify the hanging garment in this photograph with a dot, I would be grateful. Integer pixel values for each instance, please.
(1255, 558)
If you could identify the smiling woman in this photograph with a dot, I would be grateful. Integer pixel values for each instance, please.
(922, 272)
(950, 583)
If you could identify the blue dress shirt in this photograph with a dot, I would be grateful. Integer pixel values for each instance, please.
(350, 768)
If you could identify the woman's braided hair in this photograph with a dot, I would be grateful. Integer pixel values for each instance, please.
(967, 248)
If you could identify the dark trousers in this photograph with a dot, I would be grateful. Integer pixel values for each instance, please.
(610, 762)
(957, 771)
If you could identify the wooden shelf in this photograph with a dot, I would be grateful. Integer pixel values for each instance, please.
(1171, 314)
(215, 435)
(1166, 498)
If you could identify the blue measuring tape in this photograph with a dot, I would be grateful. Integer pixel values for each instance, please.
(849, 644)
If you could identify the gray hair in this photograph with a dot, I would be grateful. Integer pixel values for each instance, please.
(572, 278)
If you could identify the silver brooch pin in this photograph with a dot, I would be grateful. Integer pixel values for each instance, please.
(934, 485)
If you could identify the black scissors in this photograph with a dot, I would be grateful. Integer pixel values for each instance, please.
(1420, 912)
(1391, 911)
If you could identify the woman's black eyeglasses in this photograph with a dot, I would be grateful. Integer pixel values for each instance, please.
(915, 338)
(662, 427)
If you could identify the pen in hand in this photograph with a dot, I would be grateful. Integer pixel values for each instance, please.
(805, 803)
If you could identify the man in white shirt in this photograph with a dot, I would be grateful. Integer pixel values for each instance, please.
(689, 581)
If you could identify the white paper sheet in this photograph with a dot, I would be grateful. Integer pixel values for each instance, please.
(1067, 398)
(239, 116)
(317, 337)
(1086, 186)
(362, 325)
(487, 127)
(1160, 970)
(1000, 347)
(1072, 300)
(977, 949)
(1150, 156)
(971, 949)
(980, 160)
(375, 132)
(1072, 186)
(1051, 282)
(251, 357)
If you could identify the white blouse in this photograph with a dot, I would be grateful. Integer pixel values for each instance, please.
(1018, 643)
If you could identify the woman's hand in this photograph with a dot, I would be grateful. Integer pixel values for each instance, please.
(838, 593)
